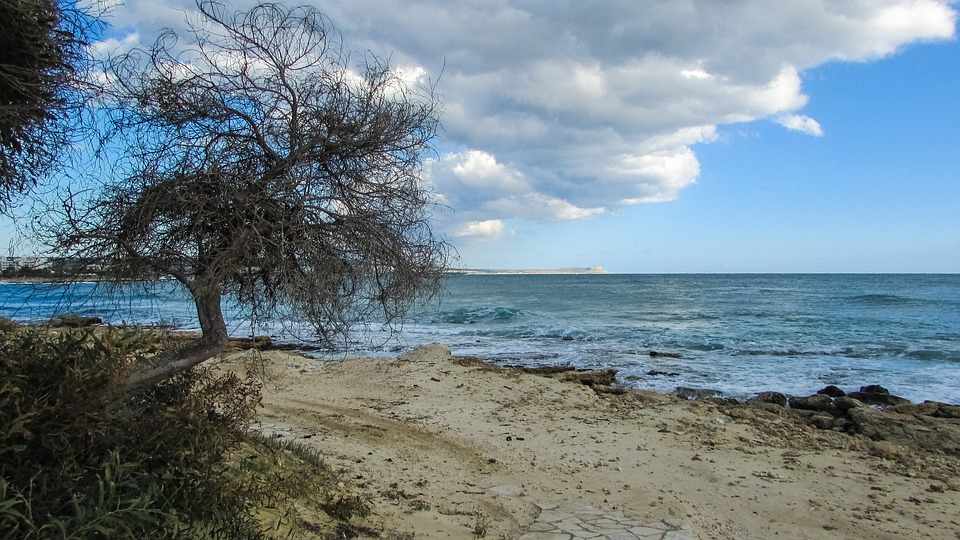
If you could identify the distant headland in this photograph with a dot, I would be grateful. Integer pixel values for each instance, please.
(488, 271)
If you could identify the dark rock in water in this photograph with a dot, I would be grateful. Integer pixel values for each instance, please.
(697, 393)
(655, 354)
(603, 377)
(654, 373)
(771, 397)
(846, 403)
(74, 321)
(874, 389)
(878, 398)
(831, 391)
(816, 402)
(822, 421)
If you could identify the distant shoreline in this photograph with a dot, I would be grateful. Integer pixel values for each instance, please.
(592, 270)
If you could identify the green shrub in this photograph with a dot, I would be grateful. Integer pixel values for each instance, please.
(80, 458)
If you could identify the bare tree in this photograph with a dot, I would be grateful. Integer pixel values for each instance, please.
(252, 160)
(44, 61)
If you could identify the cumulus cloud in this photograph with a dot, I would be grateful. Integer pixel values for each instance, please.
(801, 123)
(482, 229)
(475, 184)
(565, 110)
(112, 45)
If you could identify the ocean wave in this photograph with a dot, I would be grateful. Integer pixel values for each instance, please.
(787, 352)
(528, 332)
(476, 315)
(703, 347)
(857, 352)
(933, 354)
(886, 300)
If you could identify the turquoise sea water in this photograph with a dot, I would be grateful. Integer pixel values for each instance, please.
(735, 333)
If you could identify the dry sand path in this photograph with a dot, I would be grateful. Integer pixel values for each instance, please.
(453, 447)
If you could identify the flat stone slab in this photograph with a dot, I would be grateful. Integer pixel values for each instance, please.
(555, 523)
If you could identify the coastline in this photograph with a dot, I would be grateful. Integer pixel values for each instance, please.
(736, 335)
(442, 442)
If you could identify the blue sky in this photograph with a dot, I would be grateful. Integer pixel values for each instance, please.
(676, 136)
(879, 192)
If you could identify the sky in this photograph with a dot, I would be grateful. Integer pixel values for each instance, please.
(675, 135)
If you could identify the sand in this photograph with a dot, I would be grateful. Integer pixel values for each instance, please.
(449, 448)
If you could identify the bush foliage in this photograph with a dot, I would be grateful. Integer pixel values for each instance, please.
(80, 458)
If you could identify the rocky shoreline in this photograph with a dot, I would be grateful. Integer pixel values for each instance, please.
(870, 411)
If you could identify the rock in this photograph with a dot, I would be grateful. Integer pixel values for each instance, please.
(816, 402)
(846, 403)
(917, 431)
(831, 391)
(655, 354)
(874, 389)
(71, 320)
(771, 397)
(767, 406)
(604, 377)
(878, 398)
(822, 421)
(944, 410)
(654, 373)
(840, 423)
(258, 342)
(543, 370)
(697, 393)
(614, 389)
(929, 408)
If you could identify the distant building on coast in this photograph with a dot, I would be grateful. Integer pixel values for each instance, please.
(19, 264)
(38, 266)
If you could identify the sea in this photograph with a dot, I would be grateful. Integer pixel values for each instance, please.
(738, 334)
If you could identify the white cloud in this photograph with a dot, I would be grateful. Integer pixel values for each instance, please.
(540, 206)
(801, 123)
(109, 46)
(479, 169)
(477, 184)
(480, 229)
(569, 109)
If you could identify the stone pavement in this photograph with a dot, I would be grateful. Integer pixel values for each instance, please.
(556, 524)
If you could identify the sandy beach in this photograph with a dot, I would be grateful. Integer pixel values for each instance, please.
(454, 447)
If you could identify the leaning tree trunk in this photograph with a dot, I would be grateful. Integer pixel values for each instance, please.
(211, 343)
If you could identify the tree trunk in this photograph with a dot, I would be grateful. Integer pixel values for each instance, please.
(211, 342)
(210, 315)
